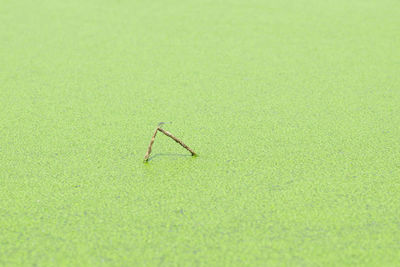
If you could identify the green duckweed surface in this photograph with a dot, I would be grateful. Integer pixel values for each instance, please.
(293, 107)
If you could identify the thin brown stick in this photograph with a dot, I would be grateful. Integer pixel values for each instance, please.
(177, 140)
(146, 157)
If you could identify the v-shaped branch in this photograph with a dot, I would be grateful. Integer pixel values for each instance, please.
(146, 157)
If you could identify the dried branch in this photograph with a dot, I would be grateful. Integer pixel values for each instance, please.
(146, 157)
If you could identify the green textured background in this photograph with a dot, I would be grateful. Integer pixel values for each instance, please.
(293, 106)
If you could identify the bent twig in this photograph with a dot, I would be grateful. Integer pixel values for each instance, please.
(146, 157)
